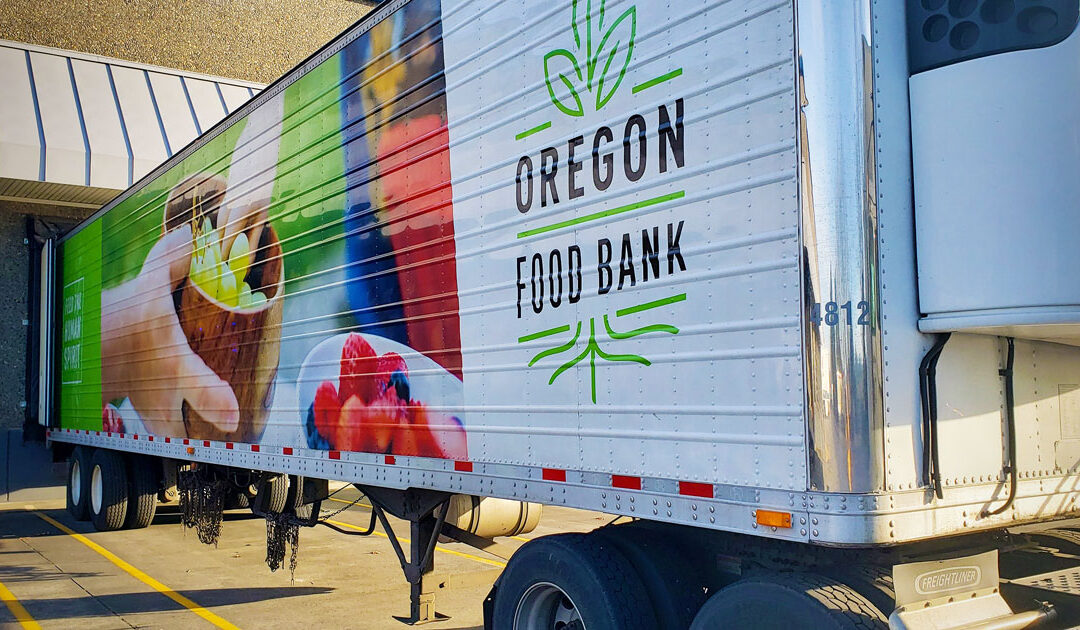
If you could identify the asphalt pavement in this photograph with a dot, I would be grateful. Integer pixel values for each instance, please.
(56, 572)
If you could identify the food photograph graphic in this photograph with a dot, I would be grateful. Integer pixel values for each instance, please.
(260, 294)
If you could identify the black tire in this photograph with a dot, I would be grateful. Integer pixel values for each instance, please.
(107, 469)
(142, 492)
(789, 600)
(237, 501)
(675, 587)
(272, 494)
(596, 579)
(1066, 540)
(873, 583)
(78, 490)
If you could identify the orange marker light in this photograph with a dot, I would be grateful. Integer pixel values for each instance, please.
(191, 451)
(768, 518)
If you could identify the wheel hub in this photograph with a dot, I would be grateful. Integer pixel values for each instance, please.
(75, 482)
(96, 490)
(545, 606)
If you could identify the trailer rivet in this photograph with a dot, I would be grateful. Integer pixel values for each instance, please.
(669, 513)
(815, 532)
(712, 519)
(693, 507)
(669, 503)
(631, 508)
(654, 511)
(802, 520)
(603, 495)
(814, 521)
(754, 525)
(802, 532)
(694, 516)
(712, 509)
(603, 504)
(654, 501)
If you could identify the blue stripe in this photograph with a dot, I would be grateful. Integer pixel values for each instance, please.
(224, 107)
(191, 106)
(157, 112)
(82, 121)
(37, 114)
(123, 126)
(251, 93)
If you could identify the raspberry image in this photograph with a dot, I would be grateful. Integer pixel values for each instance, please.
(359, 369)
(327, 409)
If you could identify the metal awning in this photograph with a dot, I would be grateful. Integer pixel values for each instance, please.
(76, 128)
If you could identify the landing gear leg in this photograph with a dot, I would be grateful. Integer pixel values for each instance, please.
(426, 512)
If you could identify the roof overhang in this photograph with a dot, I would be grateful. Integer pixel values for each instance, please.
(76, 128)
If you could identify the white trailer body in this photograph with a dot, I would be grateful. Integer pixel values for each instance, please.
(699, 290)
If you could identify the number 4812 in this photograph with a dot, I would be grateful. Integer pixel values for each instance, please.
(835, 313)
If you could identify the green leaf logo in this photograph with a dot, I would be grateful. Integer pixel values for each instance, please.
(596, 66)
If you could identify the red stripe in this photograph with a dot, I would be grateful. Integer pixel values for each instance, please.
(110, 434)
(696, 489)
(168, 439)
(335, 454)
(286, 450)
(97, 432)
(135, 437)
(185, 441)
(228, 446)
(206, 443)
(463, 466)
(553, 474)
(150, 437)
(254, 448)
(390, 459)
(626, 482)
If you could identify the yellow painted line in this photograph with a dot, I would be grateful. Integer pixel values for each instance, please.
(405, 541)
(136, 573)
(363, 505)
(368, 507)
(23, 617)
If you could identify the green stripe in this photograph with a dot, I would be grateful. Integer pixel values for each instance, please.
(657, 81)
(603, 214)
(650, 305)
(544, 333)
(529, 132)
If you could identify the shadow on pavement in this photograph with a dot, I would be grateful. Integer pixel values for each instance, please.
(150, 602)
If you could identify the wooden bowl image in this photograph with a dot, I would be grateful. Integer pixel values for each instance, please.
(241, 345)
(200, 194)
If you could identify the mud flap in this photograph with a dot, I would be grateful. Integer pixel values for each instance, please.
(955, 593)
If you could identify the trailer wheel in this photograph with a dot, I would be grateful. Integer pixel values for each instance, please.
(143, 491)
(272, 494)
(78, 484)
(566, 579)
(789, 600)
(675, 588)
(108, 490)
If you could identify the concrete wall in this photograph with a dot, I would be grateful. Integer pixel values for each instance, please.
(241, 39)
(14, 281)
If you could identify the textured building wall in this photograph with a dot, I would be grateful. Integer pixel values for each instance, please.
(14, 287)
(254, 40)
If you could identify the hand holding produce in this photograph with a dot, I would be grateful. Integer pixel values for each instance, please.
(143, 346)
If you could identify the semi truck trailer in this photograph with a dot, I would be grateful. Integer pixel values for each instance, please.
(789, 284)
